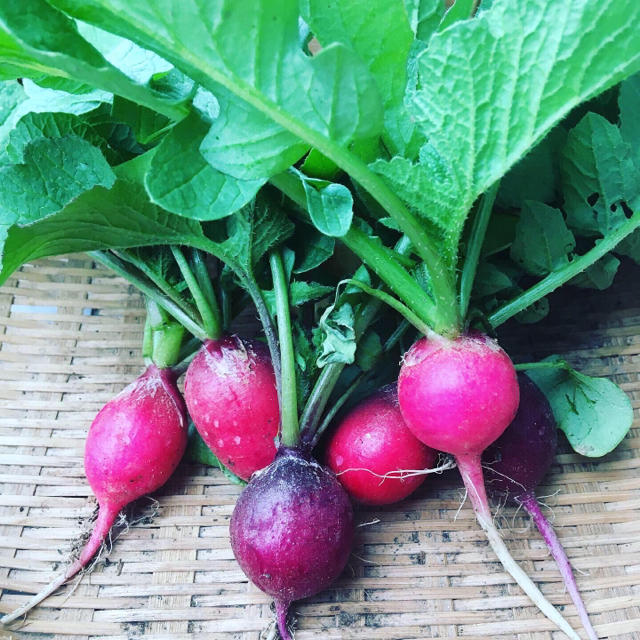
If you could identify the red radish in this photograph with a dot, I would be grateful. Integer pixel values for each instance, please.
(516, 463)
(458, 396)
(230, 391)
(371, 447)
(292, 530)
(134, 445)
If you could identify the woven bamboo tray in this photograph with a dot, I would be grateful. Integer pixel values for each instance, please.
(70, 339)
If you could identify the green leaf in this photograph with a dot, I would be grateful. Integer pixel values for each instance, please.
(490, 280)
(411, 181)
(377, 30)
(536, 176)
(542, 243)
(312, 248)
(338, 337)
(137, 63)
(535, 312)
(599, 275)
(330, 96)
(37, 39)
(630, 246)
(197, 451)
(17, 101)
(424, 16)
(300, 292)
(491, 88)
(11, 95)
(598, 174)
(145, 123)
(629, 104)
(55, 172)
(459, 10)
(247, 144)
(368, 351)
(252, 232)
(330, 206)
(317, 165)
(101, 218)
(49, 125)
(594, 413)
(181, 180)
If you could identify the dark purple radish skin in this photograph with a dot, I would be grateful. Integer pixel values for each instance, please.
(458, 396)
(292, 530)
(230, 391)
(515, 464)
(134, 445)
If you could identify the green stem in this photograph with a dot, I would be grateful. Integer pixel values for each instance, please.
(550, 364)
(166, 335)
(266, 320)
(476, 240)
(401, 308)
(289, 434)
(318, 399)
(328, 378)
(203, 277)
(360, 378)
(147, 343)
(441, 315)
(337, 405)
(564, 274)
(188, 352)
(158, 280)
(138, 281)
(210, 320)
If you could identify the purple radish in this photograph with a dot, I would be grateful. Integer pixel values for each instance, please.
(134, 445)
(516, 463)
(458, 396)
(292, 530)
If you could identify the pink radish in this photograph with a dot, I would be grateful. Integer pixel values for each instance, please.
(370, 448)
(230, 391)
(516, 463)
(292, 530)
(458, 396)
(134, 445)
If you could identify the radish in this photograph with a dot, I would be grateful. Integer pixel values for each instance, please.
(459, 395)
(292, 527)
(230, 391)
(134, 444)
(292, 530)
(516, 463)
(372, 447)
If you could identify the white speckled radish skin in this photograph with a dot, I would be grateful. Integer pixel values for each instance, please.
(230, 391)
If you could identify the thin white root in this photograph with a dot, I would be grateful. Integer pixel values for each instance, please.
(401, 474)
(37, 599)
(464, 499)
(526, 584)
(371, 522)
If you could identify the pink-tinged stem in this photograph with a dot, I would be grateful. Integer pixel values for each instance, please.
(471, 472)
(530, 503)
(282, 608)
(106, 518)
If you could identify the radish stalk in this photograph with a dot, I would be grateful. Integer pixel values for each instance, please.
(287, 387)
